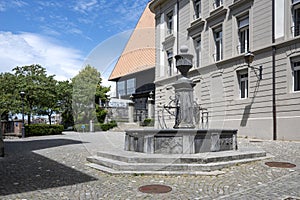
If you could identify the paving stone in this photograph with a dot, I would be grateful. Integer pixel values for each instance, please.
(53, 167)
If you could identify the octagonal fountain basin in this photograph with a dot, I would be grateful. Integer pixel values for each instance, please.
(180, 141)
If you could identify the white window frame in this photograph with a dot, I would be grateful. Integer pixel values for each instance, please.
(218, 3)
(130, 89)
(296, 20)
(244, 37)
(197, 44)
(170, 23)
(197, 9)
(170, 62)
(121, 92)
(296, 76)
(218, 38)
(243, 77)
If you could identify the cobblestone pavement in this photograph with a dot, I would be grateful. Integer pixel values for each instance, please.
(53, 167)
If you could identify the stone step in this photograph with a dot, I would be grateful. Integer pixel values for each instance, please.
(157, 168)
(210, 157)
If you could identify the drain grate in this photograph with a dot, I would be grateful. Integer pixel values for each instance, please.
(280, 164)
(155, 189)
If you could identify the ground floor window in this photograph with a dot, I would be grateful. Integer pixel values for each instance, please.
(296, 76)
(243, 84)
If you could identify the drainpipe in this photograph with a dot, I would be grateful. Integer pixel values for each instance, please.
(274, 74)
(177, 26)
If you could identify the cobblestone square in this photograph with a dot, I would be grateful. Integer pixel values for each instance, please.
(54, 167)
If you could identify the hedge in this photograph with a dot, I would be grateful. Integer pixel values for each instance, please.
(43, 129)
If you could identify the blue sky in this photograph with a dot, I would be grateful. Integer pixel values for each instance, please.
(65, 35)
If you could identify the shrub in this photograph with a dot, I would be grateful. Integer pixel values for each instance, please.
(43, 129)
(148, 122)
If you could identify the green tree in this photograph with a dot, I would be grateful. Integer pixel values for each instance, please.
(64, 91)
(101, 96)
(7, 101)
(87, 90)
(49, 102)
(39, 90)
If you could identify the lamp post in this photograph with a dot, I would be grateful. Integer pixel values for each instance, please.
(249, 56)
(22, 94)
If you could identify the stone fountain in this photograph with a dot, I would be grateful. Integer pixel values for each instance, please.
(183, 138)
(180, 150)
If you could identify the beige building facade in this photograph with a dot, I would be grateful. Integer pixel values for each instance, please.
(259, 103)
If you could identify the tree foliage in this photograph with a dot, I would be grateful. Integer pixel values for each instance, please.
(44, 95)
(87, 91)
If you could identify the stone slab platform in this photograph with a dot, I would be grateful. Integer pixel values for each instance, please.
(126, 162)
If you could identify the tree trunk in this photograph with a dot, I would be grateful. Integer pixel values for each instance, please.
(49, 118)
(28, 119)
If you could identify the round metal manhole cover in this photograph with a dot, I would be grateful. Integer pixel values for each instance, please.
(280, 164)
(155, 189)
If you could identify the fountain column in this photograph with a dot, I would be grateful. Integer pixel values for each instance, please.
(184, 91)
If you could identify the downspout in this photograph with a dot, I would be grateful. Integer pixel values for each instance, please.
(274, 74)
(177, 27)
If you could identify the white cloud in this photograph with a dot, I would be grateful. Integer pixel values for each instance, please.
(28, 48)
(4, 5)
(85, 6)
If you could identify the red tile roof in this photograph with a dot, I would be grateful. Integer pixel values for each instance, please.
(139, 53)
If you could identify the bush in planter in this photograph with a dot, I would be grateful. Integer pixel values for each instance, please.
(43, 129)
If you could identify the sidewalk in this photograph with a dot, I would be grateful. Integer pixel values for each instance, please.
(53, 167)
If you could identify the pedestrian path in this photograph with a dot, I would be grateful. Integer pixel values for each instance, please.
(54, 167)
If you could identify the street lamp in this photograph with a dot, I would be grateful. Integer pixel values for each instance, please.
(22, 94)
(249, 56)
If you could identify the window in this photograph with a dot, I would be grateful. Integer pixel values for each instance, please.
(243, 25)
(130, 86)
(197, 9)
(296, 28)
(170, 23)
(296, 76)
(243, 84)
(170, 62)
(218, 3)
(121, 88)
(197, 43)
(218, 44)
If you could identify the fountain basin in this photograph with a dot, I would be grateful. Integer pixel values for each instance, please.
(180, 141)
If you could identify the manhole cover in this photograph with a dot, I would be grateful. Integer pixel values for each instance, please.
(280, 164)
(155, 189)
